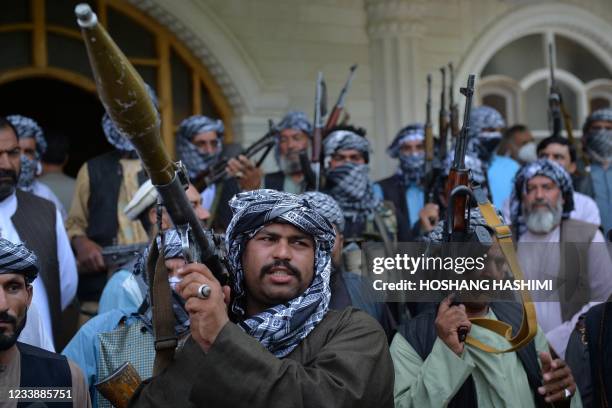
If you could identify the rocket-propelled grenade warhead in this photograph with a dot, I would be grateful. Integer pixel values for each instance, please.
(125, 97)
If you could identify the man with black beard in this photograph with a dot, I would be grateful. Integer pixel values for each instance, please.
(22, 365)
(294, 133)
(36, 222)
(570, 252)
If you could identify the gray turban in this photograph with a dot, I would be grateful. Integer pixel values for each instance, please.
(327, 207)
(27, 128)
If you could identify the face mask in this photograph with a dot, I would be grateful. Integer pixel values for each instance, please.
(489, 140)
(527, 153)
(599, 144)
(28, 173)
(411, 166)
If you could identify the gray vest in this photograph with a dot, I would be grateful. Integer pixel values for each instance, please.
(34, 221)
(576, 237)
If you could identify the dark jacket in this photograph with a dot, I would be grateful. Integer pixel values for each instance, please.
(343, 362)
(395, 192)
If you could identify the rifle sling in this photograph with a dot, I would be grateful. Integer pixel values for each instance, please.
(163, 315)
(529, 327)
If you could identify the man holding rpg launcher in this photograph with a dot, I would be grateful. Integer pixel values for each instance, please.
(273, 342)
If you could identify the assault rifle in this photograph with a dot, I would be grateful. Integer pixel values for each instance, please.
(429, 148)
(320, 110)
(557, 112)
(334, 116)
(443, 119)
(454, 108)
(115, 256)
(218, 172)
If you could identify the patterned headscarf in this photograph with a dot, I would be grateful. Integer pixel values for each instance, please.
(327, 207)
(188, 153)
(485, 117)
(541, 167)
(114, 135)
(411, 165)
(604, 115)
(28, 128)
(292, 120)
(295, 120)
(16, 258)
(412, 132)
(483, 143)
(350, 185)
(282, 327)
(598, 143)
(172, 249)
(346, 140)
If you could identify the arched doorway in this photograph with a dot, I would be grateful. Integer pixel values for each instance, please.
(39, 40)
(77, 117)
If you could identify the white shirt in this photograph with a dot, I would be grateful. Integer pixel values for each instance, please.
(43, 191)
(67, 265)
(208, 196)
(585, 209)
(34, 332)
(542, 261)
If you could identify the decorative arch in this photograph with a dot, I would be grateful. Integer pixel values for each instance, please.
(169, 62)
(587, 29)
(197, 26)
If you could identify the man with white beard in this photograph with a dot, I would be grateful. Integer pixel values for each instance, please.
(569, 251)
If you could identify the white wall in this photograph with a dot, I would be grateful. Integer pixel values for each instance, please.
(266, 53)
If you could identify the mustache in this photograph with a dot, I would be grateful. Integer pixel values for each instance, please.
(541, 202)
(291, 270)
(7, 318)
(6, 173)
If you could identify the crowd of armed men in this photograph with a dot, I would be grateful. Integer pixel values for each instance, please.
(83, 262)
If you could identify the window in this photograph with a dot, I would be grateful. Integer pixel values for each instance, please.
(40, 38)
(516, 80)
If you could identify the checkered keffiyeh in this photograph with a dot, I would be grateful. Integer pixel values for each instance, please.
(28, 128)
(282, 327)
(114, 135)
(350, 185)
(295, 120)
(16, 258)
(485, 117)
(188, 153)
(542, 167)
(346, 140)
(327, 207)
(604, 115)
(410, 133)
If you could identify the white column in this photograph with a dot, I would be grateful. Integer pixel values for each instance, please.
(395, 32)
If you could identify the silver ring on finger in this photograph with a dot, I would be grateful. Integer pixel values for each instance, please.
(204, 291)
(239, 174)
(567, 393)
